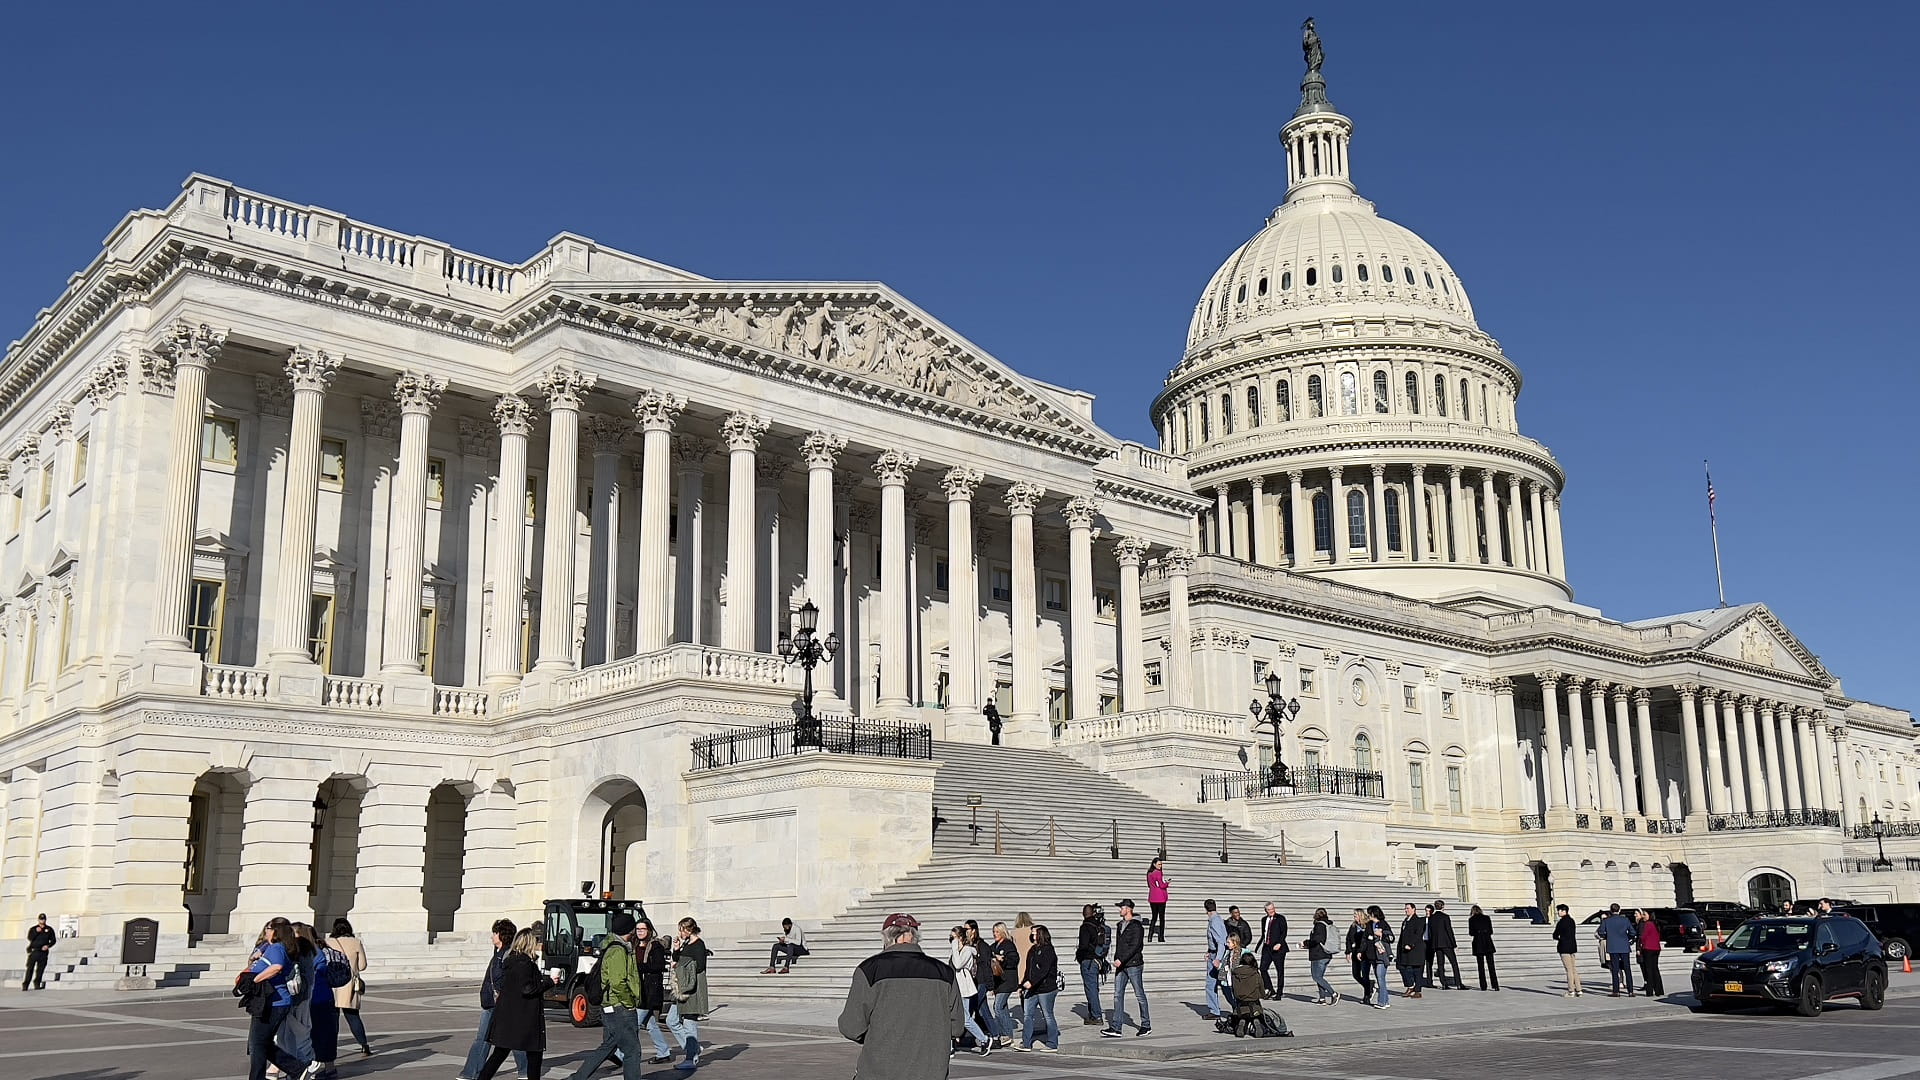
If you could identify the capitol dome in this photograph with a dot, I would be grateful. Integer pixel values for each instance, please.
(1339, 404)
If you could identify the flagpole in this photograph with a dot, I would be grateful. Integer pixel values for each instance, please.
(1713, 523)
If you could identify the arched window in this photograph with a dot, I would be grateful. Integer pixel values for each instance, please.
(1312, 276)
(1362, 753)
(1465, 410)
(1443, 285)
(1240, 297)
(1206, 424)
(1386, 273)
(1286, 281)
(1439, 398)
(1379, 391)
(1429, 274)
(1413, 393)
(1406, 274)
(1393, 519)
(1486, 414)
(1253, 405)
(1263, 285)
(1316, 397)
(1283, 399)
(1337, 278)
(1226, 414)
(1357, 517)
(1361, 270)
(1349, 394)
(1322, 522)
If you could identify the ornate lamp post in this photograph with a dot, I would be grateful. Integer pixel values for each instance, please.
(1276, 710)
(803, 648)
(1880, 838)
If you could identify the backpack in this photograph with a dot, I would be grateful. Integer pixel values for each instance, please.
(591, 985)
(338, 971)
(1102, 939)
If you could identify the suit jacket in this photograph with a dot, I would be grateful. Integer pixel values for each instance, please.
(1440, 932)
(1413, 942)
(1273, 931)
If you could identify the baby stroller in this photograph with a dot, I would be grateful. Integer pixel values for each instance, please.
(1249, 1018)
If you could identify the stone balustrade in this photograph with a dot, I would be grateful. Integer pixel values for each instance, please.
(1167, 721)
(234, 683)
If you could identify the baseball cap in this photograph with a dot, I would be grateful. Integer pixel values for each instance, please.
(621, 923)
(1126, 903)
(899, 919)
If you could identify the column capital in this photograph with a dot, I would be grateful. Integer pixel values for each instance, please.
(476, 437)
(657, 410)
(564, 387)
(1643, 697)
(821, 449)
(1621, 691)
(1552, 498)
(690, 452)
(379, 418)
(186, 344)
(1379, 470)
(60, 421)
(1503, 685)
(893, 467)
(1295, 476)
(604, 434)
(1575, 683)
(1454, 471)
(1129, 550)
(1767, 707)
(742, 430)
(1023, 495)
(770, 468)
(311, 369)
(959, 482)
(1548, 678)
(1080, 511)
(1687, 690)
(1419, 468)
(1535, 487)
(108, 379)
(418, 392)
(512, 415)
(1258, 483)
(1178, 561)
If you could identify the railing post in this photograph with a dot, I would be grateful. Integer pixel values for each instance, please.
(1223, 841)
(974, 827)
(1114, 847)
(1163, 840)
(999, 846)
(1283, 847)
(1053, 851)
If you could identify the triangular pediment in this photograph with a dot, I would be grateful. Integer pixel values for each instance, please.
(1757, 638)
(858, 337)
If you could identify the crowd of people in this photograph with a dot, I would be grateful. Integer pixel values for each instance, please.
(299, 987)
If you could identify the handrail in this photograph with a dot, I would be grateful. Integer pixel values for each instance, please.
(772, 742)
(1308, 780)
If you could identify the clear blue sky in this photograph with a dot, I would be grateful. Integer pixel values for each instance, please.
(1692, 226)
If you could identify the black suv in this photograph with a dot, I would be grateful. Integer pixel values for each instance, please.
(1896, 925)
(1721, 916)
(1680, 928)
(1802, 962)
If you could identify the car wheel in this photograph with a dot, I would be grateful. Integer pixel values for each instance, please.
(579, 1009)
(1813, 995)
(1896, 949)
(1874, 996)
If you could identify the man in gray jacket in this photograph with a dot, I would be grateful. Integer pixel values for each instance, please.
(904, 1008)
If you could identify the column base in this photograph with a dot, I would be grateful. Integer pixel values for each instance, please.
(411, 691)
(1030, 731)
(539, 688)
(297, 681)
(168, 670)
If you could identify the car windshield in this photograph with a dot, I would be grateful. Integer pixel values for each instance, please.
(1772, 937)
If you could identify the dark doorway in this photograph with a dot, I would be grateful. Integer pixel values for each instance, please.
(1543, 888)
(1682, 885)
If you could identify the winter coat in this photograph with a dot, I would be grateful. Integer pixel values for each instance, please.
(1480, 929)
(348, 996)
(1413, 943)
(1022, 943)
(1247, 988)
(1649, 937)
(1009, 956)
(964, 961)
(1440, 932)
(1357, 938)
(519, 1015)
(1566, 936)
(1317, 942)
(1043, 970)
(1089, 942)
(690, 978)
(1129, 944)
(1156, 887)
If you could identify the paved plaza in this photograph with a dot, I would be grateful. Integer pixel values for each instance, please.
(422, 1032)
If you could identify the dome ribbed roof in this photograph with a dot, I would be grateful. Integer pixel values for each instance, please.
(1265, 283)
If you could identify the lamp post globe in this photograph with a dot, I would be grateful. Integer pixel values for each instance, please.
(804, 647)
(1879, 828)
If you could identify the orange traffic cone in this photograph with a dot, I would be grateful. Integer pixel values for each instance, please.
(1906, 964)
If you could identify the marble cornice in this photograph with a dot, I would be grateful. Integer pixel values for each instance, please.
(1370, 445)
(1270, 348)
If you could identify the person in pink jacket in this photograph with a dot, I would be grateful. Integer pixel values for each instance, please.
(1157, 882)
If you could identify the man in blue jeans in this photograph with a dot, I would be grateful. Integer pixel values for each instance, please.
(503, 931)
(1129, 951)
(1091, 953)
(1616, 930)
(1216, 948)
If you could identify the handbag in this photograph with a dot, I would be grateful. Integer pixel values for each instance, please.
(999, 969)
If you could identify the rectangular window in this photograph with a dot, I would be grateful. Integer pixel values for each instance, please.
(1104, 604)
(16, 509)
(940, 683)
(533, 497)
(320, 632)
(942, 575)
(1002, 696)
(429, 639)
(220, 440)
(1411, 697)
(1002, 585)
(1417, 785)
(333, 462)
(65, 654)
(1422, 874)
(1455, 803)
(1460, 881)
(1446, 703)
(80, 451)
(1057, 705)
(1306, 680)
(437, 481)
(1153, 673)
(204, 606)
(1056, 594)
(1310, 758)
(1259, 674)
(1109, 704)
(45, 498)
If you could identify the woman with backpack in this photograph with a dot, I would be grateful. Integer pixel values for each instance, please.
(1381, 941)
(1319, 956)
(346, 998)
(689, 998)
(296, 1035)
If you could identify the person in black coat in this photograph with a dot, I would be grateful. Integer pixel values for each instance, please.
(1358, 935)
(1441, 946)
(1272, 945)
(1040, 987)
(519, 1014)
(1480, 929)
(1412, 954)
(1566, 942)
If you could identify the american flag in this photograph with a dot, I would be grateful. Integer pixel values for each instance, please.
(1710, 497)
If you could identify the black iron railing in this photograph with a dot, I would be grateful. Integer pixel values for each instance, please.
(913, 742)
(1773, 819)
(1670, 826)
(1532, 822)
(1315, 780)
(1890, 828)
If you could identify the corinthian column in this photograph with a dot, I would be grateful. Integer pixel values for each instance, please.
(1079, 513)
(1179, 564)
(1577, 727)
(1837, 733)
(654, 412)
(1378, 534)
(690, 477)
(1769, 749)
(1517, 533)
(1602, 746)
(742, 433)
(1028, 708)
(1780, 718)
(514, 417)
(1698, 792)
(183, 359)
(963, 606)
(1623, 724)
(1302, 538)
(1717, 786)
(1337, 506)
(821, 451)
(1222, 523)
(1127, 552)
(1812, 763)
(1736, 766)
(1650, 804)
(1556, 757)
(1262, 530)
(1556, 546)
(1536, 541)
(311, 372)
(1457, 518)
(418, 395)
(606, 436)
(1490, 512)
(1418, 548)
(894, 467)
(563, 388)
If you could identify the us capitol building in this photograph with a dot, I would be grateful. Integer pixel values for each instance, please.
(349, 573)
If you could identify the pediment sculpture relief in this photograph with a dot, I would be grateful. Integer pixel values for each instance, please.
(1756, 646)
(867, 340)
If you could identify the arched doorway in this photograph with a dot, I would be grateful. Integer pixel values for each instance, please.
(1768, 889)
(609, 846)
(210, 887)
(444, 877)
(1682, 884)
(333, 875)
(1543, 888)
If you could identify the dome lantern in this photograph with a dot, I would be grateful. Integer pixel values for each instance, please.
(1317, 137)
